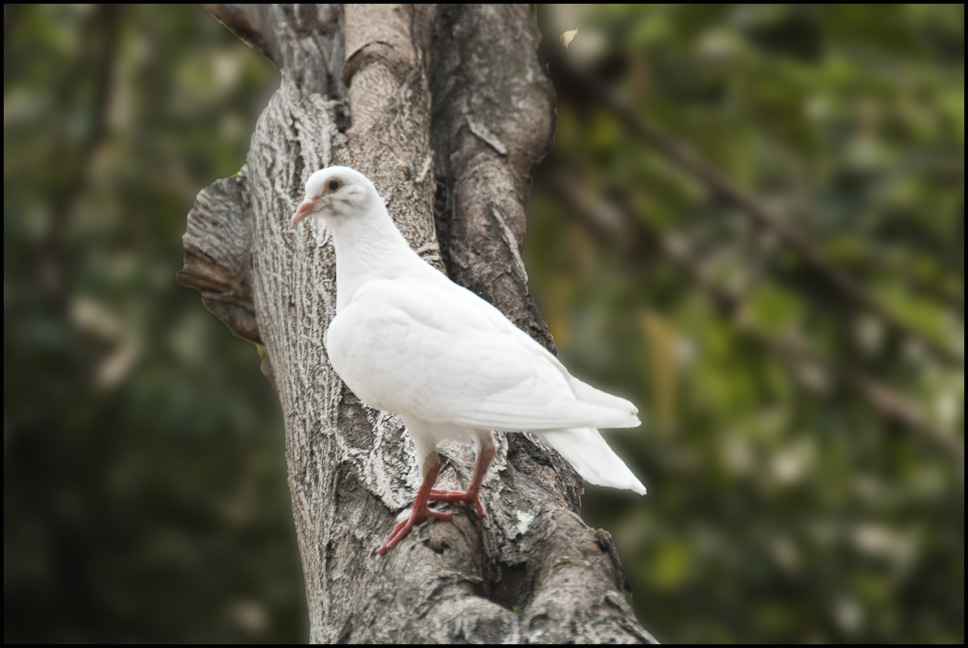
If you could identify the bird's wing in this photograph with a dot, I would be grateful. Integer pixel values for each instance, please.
(430, 349)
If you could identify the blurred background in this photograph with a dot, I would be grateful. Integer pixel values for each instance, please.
(752, 225)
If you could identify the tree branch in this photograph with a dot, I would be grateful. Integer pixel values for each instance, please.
(584, 86)
(75, 165)
(812, 374)
(531, 569)
(485, 154)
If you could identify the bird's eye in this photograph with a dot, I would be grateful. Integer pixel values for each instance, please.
(334, 184)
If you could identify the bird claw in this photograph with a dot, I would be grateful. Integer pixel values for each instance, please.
(399, 531)
(403, 527)
(421, 511)
(443, 495)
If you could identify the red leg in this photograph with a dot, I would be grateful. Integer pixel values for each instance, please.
(472, 494)
(420, 510)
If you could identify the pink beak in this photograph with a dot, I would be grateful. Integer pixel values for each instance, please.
(305, 208)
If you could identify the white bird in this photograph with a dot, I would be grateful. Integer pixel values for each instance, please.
(408, 340)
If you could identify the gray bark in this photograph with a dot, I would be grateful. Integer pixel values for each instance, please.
(448, 112)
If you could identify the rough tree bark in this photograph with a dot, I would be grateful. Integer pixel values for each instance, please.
(448, 111)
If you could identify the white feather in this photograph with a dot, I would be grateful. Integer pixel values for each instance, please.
(587, 452)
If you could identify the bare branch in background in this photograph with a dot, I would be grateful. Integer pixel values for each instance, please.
(584, 86)
(813, 374)
(75, 164)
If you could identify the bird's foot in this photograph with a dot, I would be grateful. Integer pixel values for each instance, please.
(473, 496)
(417, 515)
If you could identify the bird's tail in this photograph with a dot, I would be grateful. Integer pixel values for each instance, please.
(587, 452)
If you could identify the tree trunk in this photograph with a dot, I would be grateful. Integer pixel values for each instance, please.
(448, 112)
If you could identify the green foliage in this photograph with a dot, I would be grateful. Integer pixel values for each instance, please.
(775, 513)
(145, 496)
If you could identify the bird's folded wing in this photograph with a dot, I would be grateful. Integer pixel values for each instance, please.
(438, 352)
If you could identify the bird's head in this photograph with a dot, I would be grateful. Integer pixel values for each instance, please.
(335, 192)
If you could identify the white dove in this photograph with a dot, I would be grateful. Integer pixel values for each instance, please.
(408, 340)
